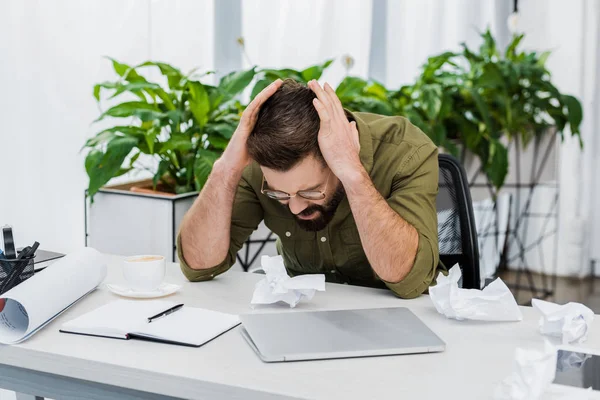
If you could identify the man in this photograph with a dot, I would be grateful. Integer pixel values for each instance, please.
(350, 195)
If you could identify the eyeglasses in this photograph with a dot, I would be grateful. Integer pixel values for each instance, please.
(306, 194)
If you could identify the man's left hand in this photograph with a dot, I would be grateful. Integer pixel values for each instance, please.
(338, 138)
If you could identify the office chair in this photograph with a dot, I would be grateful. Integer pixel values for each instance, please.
(457, 234)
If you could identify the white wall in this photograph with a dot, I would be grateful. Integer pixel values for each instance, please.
(571, 31)
(51, 57)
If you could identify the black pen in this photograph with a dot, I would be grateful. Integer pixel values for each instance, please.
(19, 267)
(165, 313)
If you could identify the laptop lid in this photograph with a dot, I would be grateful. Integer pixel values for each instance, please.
(313, 335)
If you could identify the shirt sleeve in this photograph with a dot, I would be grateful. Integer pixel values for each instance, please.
(247, 213)
(413, 197)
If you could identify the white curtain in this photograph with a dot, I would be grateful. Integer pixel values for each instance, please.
(570, 29)
(418, 29)
(50, 58)
(297, 34)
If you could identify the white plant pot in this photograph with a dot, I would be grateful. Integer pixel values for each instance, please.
(126, 223)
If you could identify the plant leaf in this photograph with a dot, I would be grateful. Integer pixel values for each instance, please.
(102, 167)
(92, 159)
(150, 138)
(315, 71)
(142, 110)
(512, 47)
(203, 166)
(218, 142)
(101, 137)
(350, 87)
(178, 142)
(199, 102)
(432, 99)
(377, 89)
(163, 166)
(173, 75)
(235, 82)
(438, 134)
(259, 86)
(223, 129)
(541, 62)
(126, 72)
(282, 74)
(135, 88)
(575, 112)
(497, 168)
(483, 110)
(491, 77)
(134, 159)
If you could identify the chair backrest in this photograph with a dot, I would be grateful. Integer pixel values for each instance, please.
(456, 223)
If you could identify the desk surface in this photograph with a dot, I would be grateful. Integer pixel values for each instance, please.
(478, 354)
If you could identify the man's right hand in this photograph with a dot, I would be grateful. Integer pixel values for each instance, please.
(236, 154)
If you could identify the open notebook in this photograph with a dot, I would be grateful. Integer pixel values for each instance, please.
(128, 319)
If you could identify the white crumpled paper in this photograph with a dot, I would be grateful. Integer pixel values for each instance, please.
(533, 372)
(494, 303)
(278, 286)
(570, 322)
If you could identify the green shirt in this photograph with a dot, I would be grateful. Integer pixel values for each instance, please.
(403, 165)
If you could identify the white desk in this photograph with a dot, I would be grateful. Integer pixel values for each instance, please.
(58, 365)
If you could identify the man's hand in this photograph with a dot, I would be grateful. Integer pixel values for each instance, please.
(338, 138)
(236, 154)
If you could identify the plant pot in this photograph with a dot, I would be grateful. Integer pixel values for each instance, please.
(123, 221)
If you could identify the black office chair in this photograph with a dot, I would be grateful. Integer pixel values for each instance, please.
(456, 222)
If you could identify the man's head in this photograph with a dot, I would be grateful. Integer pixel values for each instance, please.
(284, 142)
(287, 128)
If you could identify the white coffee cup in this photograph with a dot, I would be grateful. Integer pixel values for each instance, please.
(144, 273)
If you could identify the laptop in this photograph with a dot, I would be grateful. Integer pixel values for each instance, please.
(318, 335)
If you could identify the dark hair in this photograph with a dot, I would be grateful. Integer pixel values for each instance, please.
(287, 128)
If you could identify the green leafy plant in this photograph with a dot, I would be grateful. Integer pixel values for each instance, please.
(365, 95)
(472, 100)
(184, 125)
(467, 101)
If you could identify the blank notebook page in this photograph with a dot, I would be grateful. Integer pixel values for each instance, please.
(117, 318)
(189, 325)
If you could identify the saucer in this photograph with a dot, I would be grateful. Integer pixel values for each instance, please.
(164, 289)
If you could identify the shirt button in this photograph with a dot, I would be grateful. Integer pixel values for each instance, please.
(288, 234)
(323, 239)
(333, 271)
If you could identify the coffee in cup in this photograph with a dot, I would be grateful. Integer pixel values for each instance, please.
(144, 273)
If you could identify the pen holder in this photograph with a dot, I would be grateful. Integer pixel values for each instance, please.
(13, 272)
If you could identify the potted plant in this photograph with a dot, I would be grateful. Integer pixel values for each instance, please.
(176, 130)
(491, 107)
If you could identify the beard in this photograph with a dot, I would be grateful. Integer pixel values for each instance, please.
(325, 212)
